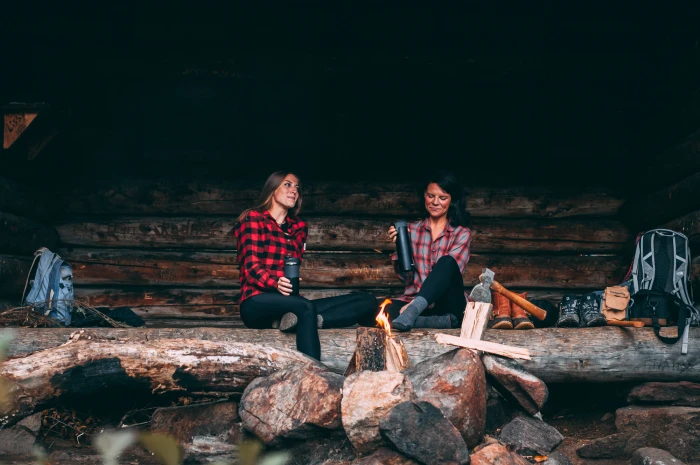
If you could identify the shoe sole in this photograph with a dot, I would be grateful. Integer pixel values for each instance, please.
(502, 325)
(288, 322)
(524, 325)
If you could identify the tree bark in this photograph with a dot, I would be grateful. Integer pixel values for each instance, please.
(23, 236)
(662, 206)
(489, 235)
(606, 354)
(89, 363)
(375, 350)
(386, 201)
(333, 270)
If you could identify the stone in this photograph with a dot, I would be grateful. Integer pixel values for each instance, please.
(292, 403)
(384, 456)
(496, 415)
(682, 393)
(420, 431)
(367, 397)
(19, 439)
(205, 419)
(530, 436)
(673, 429)
(454, 382)
(497, 454)
(557, 458)
(652, 456)
(528, 390)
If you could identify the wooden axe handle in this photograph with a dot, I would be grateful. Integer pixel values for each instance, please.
(626, 323)
(529, 307)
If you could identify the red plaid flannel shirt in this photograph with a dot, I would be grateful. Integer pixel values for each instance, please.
(453, 241)
(262, 248)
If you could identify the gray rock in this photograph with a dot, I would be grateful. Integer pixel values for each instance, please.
(19, 439)
(496, 415)
(530, 436)
(652, 456)
(528, 390)
(205, 419)
(420, 431)
(682, 393)
(608, 447)
(557, 458)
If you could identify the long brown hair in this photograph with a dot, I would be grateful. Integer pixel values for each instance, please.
(265, 200)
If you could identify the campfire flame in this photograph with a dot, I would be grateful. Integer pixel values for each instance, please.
(382, 318)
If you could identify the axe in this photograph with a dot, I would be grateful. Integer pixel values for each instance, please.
(482, 293)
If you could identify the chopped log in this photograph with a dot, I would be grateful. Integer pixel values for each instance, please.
(332, 270)
(23, 236)
(484, 346)
(325, 233)
(157, 365)
(476, 318)
(664, 205)
(377, 350)
(558, 355)
(384, 200)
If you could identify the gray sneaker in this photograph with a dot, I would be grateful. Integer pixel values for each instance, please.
(590, 311)
(570, 317)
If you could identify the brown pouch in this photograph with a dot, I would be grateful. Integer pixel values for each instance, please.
(614, 302)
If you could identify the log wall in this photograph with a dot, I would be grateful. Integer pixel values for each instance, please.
(167, 250)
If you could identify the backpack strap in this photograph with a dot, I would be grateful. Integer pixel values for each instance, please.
(684, 314)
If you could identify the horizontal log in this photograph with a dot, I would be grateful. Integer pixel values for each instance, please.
(21, 236)
(663, 205)
(559, 355)
(13, 275)
(489, 235)
(20, 199)
(385, 200)
(331, 270)
(690, 226)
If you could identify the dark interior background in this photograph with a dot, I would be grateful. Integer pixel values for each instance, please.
(547, 93)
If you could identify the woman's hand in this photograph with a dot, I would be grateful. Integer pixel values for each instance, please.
(284, 286)
(392, 233)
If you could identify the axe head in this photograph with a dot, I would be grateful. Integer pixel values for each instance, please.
(482, 291)
(487, 277)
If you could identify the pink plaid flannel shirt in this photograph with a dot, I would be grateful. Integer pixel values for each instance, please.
(453, 241)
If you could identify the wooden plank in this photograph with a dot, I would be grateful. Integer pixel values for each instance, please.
(333, 233)
(24, 236)
(663, 205)
(14, 124)
(331, 270)
(558, 355)
(384, 200)
(485, 346)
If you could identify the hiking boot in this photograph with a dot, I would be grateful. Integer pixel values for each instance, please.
(501, 312)
(590, 311)
(570, 311)
(288, 323)
(519, 316)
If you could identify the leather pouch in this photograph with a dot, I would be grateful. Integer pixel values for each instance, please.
(614, 302)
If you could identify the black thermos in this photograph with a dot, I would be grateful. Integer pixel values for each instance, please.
(403, 246)
(291, 272)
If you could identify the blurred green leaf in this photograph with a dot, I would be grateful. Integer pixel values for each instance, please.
(111, 444)
(166, 448)
(5, 396)
(275, 458)
(40, 457)
(5, 338)
(249, 451)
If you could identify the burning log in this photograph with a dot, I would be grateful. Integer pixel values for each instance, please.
(377, 349)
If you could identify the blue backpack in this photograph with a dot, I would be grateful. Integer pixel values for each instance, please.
(52, 287)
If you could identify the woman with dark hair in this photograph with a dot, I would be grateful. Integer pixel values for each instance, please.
(434, 291)
(266, 235)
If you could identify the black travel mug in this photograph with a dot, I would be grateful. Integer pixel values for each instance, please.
(403, 246)
(291, 272)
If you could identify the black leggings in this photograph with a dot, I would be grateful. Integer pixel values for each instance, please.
(259, 311)
(443, 287)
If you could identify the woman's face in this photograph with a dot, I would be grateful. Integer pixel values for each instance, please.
(437, 201)
(287, 194)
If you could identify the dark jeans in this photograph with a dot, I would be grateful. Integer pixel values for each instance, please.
(443, 287)
(261, 310)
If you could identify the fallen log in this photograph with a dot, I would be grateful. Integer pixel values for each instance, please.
(334, 233)
(90, 362)
(384, 200)
(606, 354)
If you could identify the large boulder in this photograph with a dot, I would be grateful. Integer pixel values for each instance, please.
(673, 429)
(683, 393)
(530, 436)
(497, 454)
(528, 390)
(367, 397)
(419, 430)
(19, 439)
(292, 403)
(652, 456)
(454, 382)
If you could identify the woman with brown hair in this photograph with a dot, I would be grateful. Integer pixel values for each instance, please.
(266, 235)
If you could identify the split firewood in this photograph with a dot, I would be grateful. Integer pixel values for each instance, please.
(476, 317)
(484, 346)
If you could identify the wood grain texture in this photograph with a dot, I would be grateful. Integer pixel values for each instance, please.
(347, 233)
(598, 355)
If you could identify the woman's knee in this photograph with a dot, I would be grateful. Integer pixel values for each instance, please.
(447, 261)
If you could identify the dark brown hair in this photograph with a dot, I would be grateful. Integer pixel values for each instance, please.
(265, 200)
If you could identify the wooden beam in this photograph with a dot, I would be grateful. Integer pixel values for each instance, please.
(336, 233)
(558, 355)
(385, 201)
